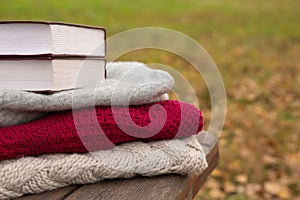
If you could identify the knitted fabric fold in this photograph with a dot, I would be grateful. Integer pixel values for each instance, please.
(127, 83)
(100, 128)
(38, 174)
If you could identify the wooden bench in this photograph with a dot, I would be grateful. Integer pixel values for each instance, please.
(140, 188)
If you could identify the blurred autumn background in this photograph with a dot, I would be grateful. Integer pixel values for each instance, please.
(256, 46)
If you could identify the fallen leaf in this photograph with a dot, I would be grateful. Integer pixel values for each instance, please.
(234, 165)
(216, 194)
(212, 184)
(252, 190)
(229, 187)
(278, 189)
(242, 178)
(268, 159)
(217, 173)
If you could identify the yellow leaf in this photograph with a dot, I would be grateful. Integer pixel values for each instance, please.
(216, 194)
(234, 165)
(217, 173)
(277, 189)
(285, 194)
(229, 187)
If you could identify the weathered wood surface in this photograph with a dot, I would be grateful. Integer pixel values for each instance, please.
(164, 187)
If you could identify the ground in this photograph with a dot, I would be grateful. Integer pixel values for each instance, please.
(256, 46)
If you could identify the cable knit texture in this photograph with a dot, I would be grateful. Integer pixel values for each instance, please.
(57, 132)
(38, 174)
(127, 83)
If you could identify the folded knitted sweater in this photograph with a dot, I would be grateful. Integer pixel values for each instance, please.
(127, 83)
(47, 172)
(100, 128)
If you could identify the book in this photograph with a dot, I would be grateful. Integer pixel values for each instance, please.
(50, 39)
(47, 56)
(50, 74)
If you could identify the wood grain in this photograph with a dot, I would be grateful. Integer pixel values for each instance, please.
(59, 194)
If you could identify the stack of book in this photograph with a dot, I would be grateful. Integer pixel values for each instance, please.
(48, 56)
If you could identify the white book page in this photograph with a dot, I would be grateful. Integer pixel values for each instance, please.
(77, 73)
(25, 39)
(78, 40)
(26, 74)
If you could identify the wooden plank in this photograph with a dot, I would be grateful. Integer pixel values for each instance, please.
(159, 187)
(59, 194)
(213, 163)
(138, 188)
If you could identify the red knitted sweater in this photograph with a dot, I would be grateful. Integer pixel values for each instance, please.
(57, 133)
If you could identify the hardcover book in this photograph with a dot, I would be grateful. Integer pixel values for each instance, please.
(34, 38)
(50, 74)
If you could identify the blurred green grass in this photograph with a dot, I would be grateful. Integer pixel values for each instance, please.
(233, 17)
(256, 46)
